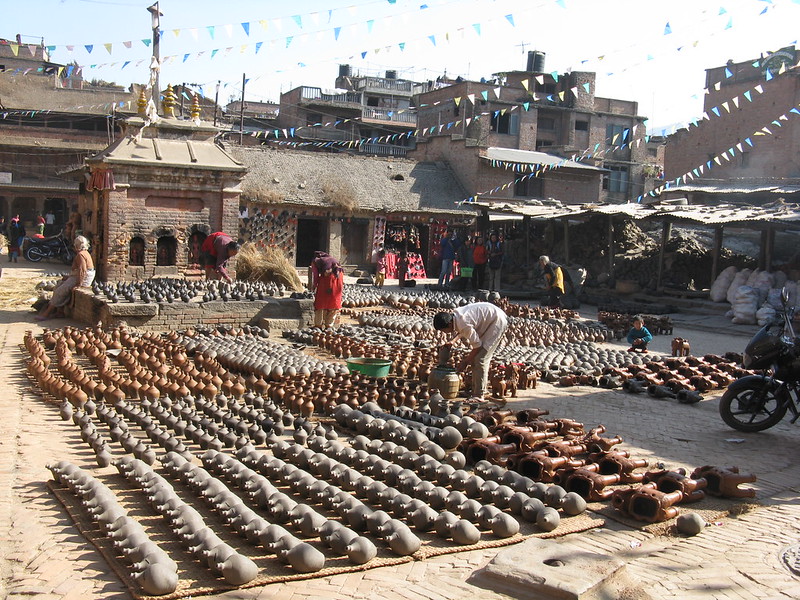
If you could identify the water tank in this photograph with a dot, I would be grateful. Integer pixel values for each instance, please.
(391, 74)
(345, 71)
(535, 61)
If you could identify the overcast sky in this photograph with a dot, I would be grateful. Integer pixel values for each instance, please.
(653, 52)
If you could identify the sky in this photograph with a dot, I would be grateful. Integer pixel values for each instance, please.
(652, 52)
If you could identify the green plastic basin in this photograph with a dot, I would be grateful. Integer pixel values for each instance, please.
(377, 367)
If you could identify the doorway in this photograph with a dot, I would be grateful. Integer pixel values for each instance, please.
(309, 239)
(354, 242)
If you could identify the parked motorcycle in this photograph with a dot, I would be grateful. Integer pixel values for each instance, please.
(757, 402)
(56, 246)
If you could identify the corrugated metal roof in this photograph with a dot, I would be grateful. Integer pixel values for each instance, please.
(734, 188)
(529, 157)
(778, 212)
(49, 185)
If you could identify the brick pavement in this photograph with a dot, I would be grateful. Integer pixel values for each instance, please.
(42, 554)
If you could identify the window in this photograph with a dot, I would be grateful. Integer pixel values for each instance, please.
(136, 252)
(745, 159)
(581, 125)
(313, 118)
(529, 187)
(616, 180)
(652, 151)
(543, 144)
(507, 123)
(548, 123)
(614, 134)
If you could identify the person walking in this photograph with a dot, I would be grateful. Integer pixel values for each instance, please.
(380, 268)
(495, 251)
(480, 256)
(482, 325)
(327, 281)
(448, 247)
(16, 235)
(215, 252)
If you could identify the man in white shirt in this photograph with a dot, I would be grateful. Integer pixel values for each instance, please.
(482, 325)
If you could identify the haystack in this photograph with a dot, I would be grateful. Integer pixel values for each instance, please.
(269, 264)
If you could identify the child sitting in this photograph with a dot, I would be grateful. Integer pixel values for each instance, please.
(639, 336)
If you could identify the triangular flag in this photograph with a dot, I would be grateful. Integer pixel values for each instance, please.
(748, 141)
(526, 105)
(726, 107)
(147, 42)
(211, 29)
(510, 19)
(554, 75)
(497, 91)
(477, 28)
(539, 79)
(759, 89)
(214, 52)
(736, 101)
(228, 29)
(89, 48)
(667, 29)
(728, 73)
(457, 101)
(586, 87)
(258, 46)
(298, 20)
(402, 46)
(336, 32)
(264, 24)
(748, 96)
(471, 98)
(246, 27)
(14, 49)
(289, 40)
(127, 44)
(185, 56)
(561, 96)
(715, 110)
(176, 32)
(485, 94)
(363, 55)
(768, 75)
(525, 83)
(108, 47)
(574, 91)
(432, 38)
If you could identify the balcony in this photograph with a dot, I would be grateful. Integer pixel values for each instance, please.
(314, 95)
(383, 150)
(407, 117)
(324, 133)
(392, 87)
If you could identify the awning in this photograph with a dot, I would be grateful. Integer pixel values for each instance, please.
(512, 156)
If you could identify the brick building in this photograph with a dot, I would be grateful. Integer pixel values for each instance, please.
(543, 119)
(757, 165)
(46, 129)
(360, 108)
(152, 197)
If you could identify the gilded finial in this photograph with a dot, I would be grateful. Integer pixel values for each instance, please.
(169, 102)
(195, 108)
(141, 103)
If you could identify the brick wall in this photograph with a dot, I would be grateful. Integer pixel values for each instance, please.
(158, 317)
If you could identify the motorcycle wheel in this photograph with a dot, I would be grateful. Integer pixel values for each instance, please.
(67, 257)
(34, 254)
(753, 407)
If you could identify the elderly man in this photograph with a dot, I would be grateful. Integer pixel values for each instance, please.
(482, 325)
(554, 280)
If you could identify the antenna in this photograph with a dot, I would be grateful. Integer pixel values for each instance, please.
(522, 45)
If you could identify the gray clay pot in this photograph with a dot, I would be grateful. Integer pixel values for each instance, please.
(465, 533)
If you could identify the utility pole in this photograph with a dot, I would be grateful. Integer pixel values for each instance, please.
(216, 104)
(241, 113)
(155, 15)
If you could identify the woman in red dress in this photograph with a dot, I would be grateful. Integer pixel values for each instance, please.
(328, 284)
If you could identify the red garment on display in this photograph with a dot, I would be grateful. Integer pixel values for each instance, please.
(328, 295)
(416, 268)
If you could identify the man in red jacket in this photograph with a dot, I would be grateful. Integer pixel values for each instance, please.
(214, 254)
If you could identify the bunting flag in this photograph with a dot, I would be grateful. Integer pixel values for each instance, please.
(510, 19)
(667, 29)
(246, 27)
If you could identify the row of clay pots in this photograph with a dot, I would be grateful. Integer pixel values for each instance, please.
(151, 567)
(188, 524)
(342, 540)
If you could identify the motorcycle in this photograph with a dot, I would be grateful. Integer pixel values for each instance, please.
(56, 246)
(758, 402)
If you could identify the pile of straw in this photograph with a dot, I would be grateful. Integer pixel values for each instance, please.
(267, 264)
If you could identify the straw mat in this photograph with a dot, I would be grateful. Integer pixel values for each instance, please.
(195, 579)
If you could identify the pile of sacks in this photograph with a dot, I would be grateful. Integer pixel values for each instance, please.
(755, 295)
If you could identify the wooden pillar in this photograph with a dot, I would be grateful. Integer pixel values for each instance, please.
(566, 240)
(769, 251)
(526, 228)
(666, 230)
(716, 251)
(611, 245)
(763, 263)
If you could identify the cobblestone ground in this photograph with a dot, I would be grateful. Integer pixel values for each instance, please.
(42, 554)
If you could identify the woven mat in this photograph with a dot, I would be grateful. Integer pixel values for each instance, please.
(710, 508)
(194, 579)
